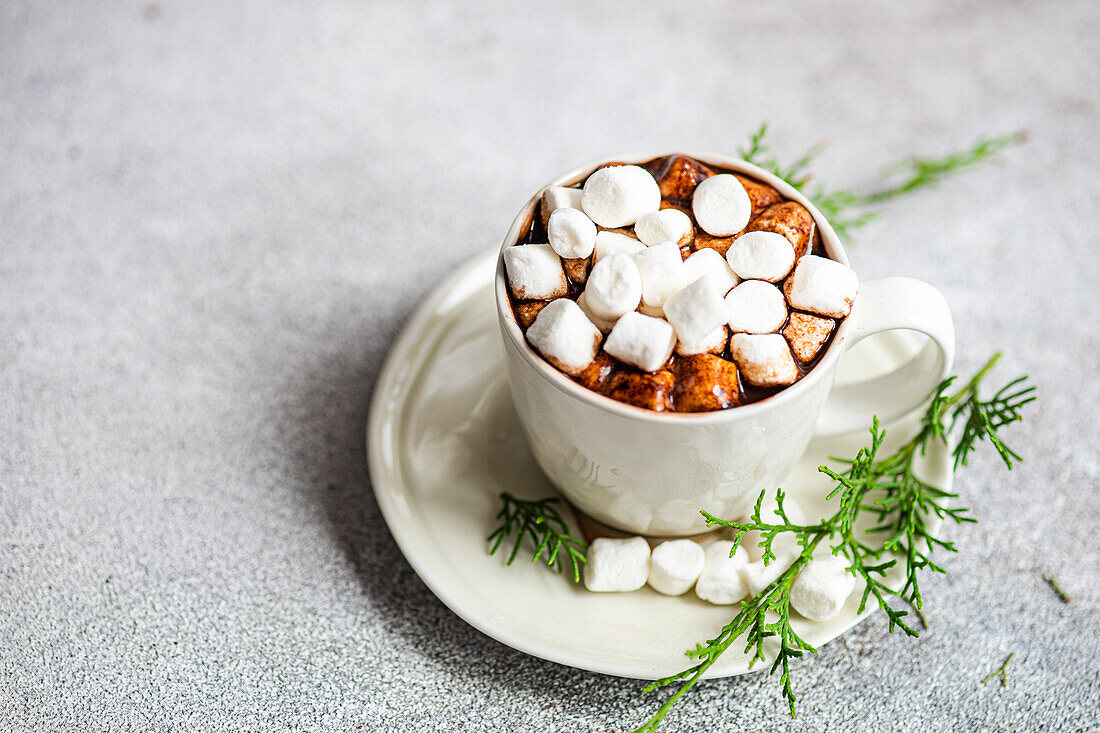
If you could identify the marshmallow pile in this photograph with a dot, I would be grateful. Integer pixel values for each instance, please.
(722, 572)
(710, 268)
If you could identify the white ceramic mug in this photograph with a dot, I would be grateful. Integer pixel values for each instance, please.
(651, 472)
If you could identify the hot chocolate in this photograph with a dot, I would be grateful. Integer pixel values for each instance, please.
(676, 285)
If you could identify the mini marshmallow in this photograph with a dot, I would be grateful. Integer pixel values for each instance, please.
(616, 565)
(696, 310)
(604, 324)
(648, 390)
(822, 286)
(535, 272)
(759, 576)
(792, 220)
(761, 256)
(576, 268)
(559, 197)
(706, 382)
(612, 243)
(563, 334)
(721, 581)
(679, 176)
(571, 233)
(641, 341)
(597, 375)
(619, 195)
(821, 588)
(713, 343)
(755, 306)
(764, 359)
(721, 205)
(807, 334)
(674, 566)
(662, 269)
(614, 287)
(709, 262)
(751, 539)
(527, 312)
(666, 225)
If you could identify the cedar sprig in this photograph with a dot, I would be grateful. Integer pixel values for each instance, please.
(752, 623)
(850, 209)
(768, 532)
(544, 525)
(768, 614)
(887, 488)
(907, 501)
(981, 419)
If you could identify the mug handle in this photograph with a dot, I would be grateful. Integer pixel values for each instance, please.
(886, 304)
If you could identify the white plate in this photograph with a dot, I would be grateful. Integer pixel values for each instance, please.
(443, 442)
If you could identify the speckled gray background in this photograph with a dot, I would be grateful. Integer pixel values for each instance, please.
(216, 216)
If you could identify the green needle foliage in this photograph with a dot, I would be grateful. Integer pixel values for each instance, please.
(543, 524)
(888, 489)
(849, 209)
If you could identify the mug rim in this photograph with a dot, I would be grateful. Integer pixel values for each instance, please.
(563, 383)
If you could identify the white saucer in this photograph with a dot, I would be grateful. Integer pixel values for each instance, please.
(443, 442)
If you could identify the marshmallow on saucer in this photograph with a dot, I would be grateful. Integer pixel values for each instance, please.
(666, 225)
(559, 197)
(768, 514)
(755, 306)
(708, 262)
(616, 565)
(641, 341)
(563, 334)
(619, 195)
(535, 272)
(721, 581)
(822, 286)
(713, 343)
(696, 310)
(604, 324)
(807, 334)
(759, 576)
(761, 256)
(764, 359)
(662, 269)
(721, 205)
(821, 588)
(571, 233)
(614, 287)
(612, 243)
(674, 566)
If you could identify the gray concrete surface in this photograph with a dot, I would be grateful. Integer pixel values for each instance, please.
(215, 218)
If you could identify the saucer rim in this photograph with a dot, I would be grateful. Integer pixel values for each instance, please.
(381, 410)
